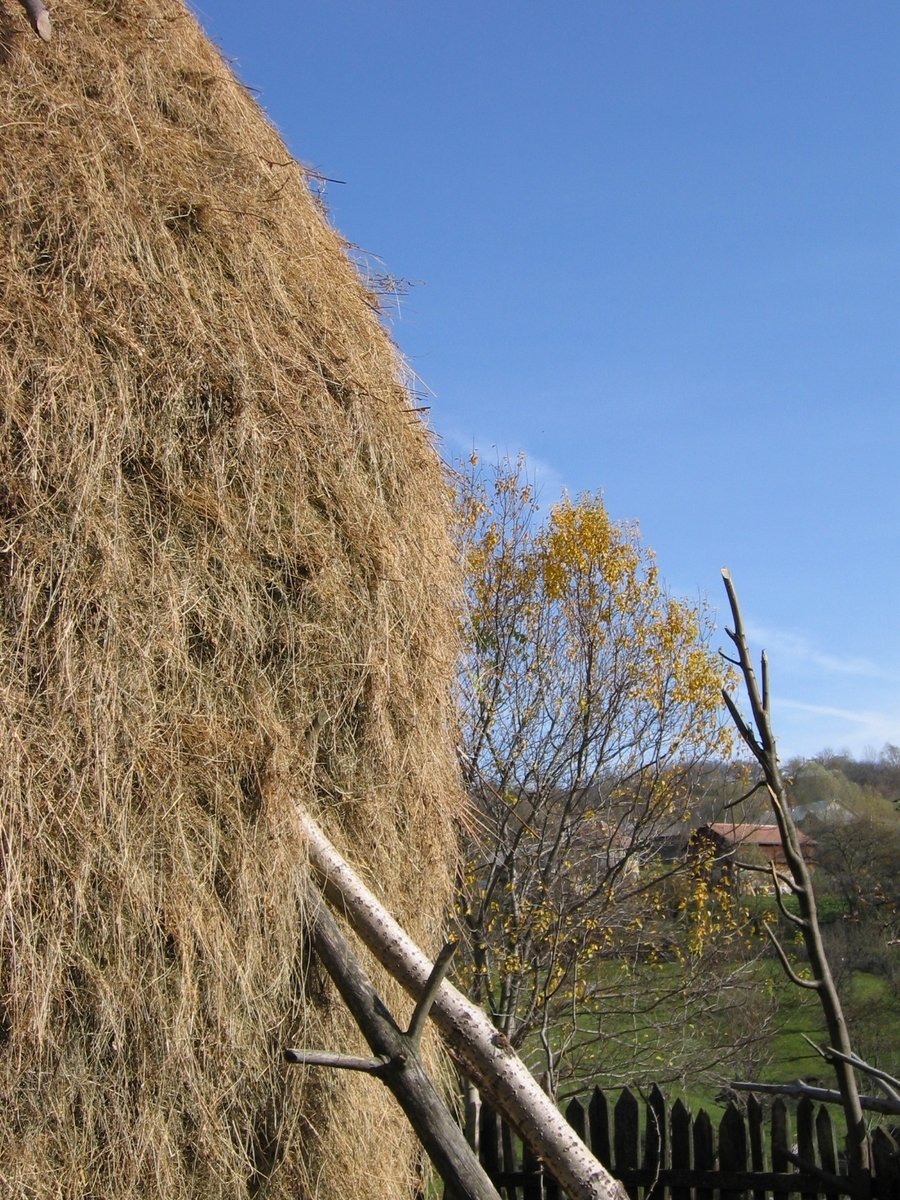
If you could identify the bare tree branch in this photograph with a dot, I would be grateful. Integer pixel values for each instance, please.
(811, 984)
(429, 993)
(742, 727)
(791, 918)
(762, 745)
(769, 869)
(344, 1062)
(758, 786)
(824, 1095)
(482, 1053)
(889, 1083)
(764, 660)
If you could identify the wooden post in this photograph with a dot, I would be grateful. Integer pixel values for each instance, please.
(396, 1061)
(681, 1147)
(481, 1052)
(704, 1151)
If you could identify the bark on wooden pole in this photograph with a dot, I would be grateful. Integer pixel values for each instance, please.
(397, 1062)
(483, 1054)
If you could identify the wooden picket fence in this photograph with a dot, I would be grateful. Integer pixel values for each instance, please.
(666, 1154)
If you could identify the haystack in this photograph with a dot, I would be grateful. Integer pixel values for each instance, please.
(226, 589)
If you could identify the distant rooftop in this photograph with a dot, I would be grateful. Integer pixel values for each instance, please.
(748, 832)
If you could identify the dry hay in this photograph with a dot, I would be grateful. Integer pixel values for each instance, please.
(225, 586)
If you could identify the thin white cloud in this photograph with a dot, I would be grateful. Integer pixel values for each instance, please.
(807, 728)
(548, 481)
(859, 717)
(799, 650)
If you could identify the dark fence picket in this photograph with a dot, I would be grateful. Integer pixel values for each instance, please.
(533, 1187)
(681, 1148)
(733, 1149)
(886, 1162)
(806, 1143)
(577, 1118)
(551, 1187)
(756, 1142)
(508, 1162)
(828, 1159)
(679, 1159)
(781, 1137)
(598, 1120)
(655, 1142)
(704, 1152)
(626, 1137)
(489, 1141)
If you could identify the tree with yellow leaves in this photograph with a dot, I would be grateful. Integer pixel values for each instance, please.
(589, 697)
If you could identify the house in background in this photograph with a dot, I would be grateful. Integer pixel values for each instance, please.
(733, 842)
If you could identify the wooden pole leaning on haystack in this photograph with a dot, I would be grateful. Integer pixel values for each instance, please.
(38, 18)
(397, 1062)
(481, 1052)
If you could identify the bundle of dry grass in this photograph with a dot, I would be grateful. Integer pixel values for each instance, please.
(225, 586)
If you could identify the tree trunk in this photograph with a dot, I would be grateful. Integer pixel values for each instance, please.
(762, 744)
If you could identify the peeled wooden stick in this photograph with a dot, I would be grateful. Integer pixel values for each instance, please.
(38, 18)
(482, 1052)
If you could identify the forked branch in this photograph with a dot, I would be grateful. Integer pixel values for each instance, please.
(889, 1084)
(396, 1059)
(482, 1054)
(758, 736)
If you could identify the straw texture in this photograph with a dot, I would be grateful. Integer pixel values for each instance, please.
(225, 587)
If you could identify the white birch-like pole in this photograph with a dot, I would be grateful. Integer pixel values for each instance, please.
(482, 1052)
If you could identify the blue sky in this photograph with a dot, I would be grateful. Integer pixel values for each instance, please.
(655, 245)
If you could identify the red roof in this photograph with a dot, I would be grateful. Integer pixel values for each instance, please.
(756, 835)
